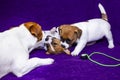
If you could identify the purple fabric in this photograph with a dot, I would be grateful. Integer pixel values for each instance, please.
(49, 13)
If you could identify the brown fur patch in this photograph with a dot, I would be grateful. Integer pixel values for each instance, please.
(104, 16)
(35, 29)
(70, 33)
(56, 43)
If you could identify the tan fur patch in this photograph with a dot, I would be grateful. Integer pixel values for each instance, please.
(56, 43)
(35, 29)
(70, 33)
(104, 16)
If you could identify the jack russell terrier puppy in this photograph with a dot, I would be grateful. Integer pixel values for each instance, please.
(14, 45)
(54, 46)
(84, 32)
(50, 43)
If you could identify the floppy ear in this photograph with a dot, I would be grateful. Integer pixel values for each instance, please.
(60, 30)
(35, 29)
(63, 27)
(78, 32)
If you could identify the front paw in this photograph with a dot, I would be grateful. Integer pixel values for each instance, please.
(49, 60)
(111, 46)
(74, 53)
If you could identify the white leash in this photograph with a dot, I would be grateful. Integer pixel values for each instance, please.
(86, 56)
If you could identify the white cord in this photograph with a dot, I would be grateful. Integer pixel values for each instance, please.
(106, 65)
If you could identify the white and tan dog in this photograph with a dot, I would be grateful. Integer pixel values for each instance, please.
(14, 53)
(84, 32)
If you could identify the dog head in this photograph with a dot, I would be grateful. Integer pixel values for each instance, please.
(35, 29)
(69, 34)
(54, 46)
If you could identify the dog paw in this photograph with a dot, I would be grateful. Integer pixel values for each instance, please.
(47, 61)
(111, 46)
(74, 53)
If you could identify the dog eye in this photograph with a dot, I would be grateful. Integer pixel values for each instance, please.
(68, 41)
(62, 39)
(54, 43)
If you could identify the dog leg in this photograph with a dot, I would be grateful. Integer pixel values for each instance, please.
(29, 65)
(109, 37)
(80, 45)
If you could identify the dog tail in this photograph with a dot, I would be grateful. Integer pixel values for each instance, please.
(103, 12)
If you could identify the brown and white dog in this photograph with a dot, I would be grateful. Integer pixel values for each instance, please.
(14, 49)
(54, 46)
(84, 32)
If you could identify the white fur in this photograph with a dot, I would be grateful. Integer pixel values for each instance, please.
(14, 54)
(41, 44)
(102, 10)
(93, 30)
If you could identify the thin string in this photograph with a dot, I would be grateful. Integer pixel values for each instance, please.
(106, 65)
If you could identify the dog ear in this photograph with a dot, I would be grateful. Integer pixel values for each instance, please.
(60, 30)
(62, 27)
(53, 30)
(35, 29)
(78, 32)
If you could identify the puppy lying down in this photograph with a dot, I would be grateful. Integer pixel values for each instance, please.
(54, 46)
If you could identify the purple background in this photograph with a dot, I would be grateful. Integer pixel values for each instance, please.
(49, 13)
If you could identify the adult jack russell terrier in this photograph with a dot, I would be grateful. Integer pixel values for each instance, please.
(14, 45)
(50, 43)
(84, 32)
